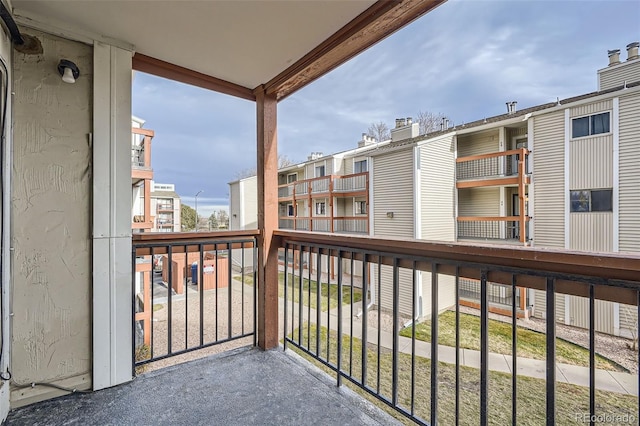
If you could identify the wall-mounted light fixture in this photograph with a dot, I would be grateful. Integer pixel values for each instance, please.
(68, 70)
(390, 215)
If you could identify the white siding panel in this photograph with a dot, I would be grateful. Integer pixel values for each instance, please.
(549, 180)
(540, 305)
(617, 75)
(234, 206)
(594, 108)
(477, 144)
(438, 188)
(393, 192)
(479, 202)
(628, 320)
(250, 200)
(446, 293)
(405, 280)
(591, 231)
(629, 173)
(591, 163)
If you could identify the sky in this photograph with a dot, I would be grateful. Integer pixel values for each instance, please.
(464, 60)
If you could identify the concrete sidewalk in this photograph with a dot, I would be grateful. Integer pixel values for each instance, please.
(610, 381)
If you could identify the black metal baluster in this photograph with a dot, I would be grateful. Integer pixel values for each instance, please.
(301, 298)
(134, 307)
(201, 295)
(434, 343)
(457, 345)
(215, 247)
(365, 290)
(484, 349)
(514, 351)
(551, 352)
(396, 308)
(286, 293)
(169, 291)
(351, 318)
(339, 348)
(242, 281)
(380, 324)
(318, 304)
(229, 292)
(185, 287)
(413, 338)
(592, 352)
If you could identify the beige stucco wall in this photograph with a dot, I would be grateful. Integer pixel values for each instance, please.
(51, 208)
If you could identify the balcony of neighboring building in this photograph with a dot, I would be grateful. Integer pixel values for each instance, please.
(352, 185)
(501, 168)
(141, 154)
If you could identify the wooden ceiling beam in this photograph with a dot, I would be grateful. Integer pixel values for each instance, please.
(380, 20)
(170, 71)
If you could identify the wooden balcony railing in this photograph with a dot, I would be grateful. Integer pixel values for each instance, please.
(341, 224)
(330, 186)
(496, 168)
(141, 148)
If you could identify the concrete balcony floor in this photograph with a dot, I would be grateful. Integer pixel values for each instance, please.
(245, 386)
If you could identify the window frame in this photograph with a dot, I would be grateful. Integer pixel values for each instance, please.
(589, 200)
(590, 125)
(317, 166)
(292, 174)
(357, 207)
(291, 211)
(323, 209)
(366, 165)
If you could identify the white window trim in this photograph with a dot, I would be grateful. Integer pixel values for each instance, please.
(610, 132)
(355, 160)
(355, 207)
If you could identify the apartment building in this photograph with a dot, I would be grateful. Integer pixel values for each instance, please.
(481, 182)
(165, 204)
(141, 176)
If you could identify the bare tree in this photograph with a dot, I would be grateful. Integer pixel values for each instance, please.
(379, 131)
(429, 121)
(283, 161)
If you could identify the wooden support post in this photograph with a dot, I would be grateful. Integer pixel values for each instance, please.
(267, 163)
(331, 203)
(310, 201)
(147, 201)
(523, 198)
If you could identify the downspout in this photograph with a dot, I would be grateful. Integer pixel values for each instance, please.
(5, 236)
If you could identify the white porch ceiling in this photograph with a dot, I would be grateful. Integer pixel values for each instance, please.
(243, 42)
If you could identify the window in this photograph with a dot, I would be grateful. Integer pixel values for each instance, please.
(319, 171)
(360, 166)
(320, 209)
(600, 200)
(591, 125)
(290, 210)
(361, 207)
(292, 177)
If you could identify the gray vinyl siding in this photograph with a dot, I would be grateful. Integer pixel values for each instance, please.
(540, 305)
(593, 108)
(591, 231)
(250, 201)
(347, 165)
(512, 133)
(591, 162)
(310, 169)
(446, 293)
(628, 320)
(438, 190)
(548, 178)
(629, 181)
(337, 166)
(476, 144)
(616, 76)
(393, 192)
(579, 314)
(234, 206)
(479, 201)
(405, 281)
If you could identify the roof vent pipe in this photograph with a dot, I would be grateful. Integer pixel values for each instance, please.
(511, 107)
(632, 50)
(614, 56)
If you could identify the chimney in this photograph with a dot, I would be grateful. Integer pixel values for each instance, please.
(614, 56)
(399, 123)
(366, 140)
(405, 129)
(444, 124)
(632, 51)
(511, 107)
(410, 120)
(314, 156)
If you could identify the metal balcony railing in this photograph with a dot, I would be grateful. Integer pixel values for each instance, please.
(197, 295)
(492, 228)
(348, 312)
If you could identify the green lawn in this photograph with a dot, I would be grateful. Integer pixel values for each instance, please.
(328, 293)
(530, 344)
(531, 407)
(326, 290)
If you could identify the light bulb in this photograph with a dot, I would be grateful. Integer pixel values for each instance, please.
(67, 77)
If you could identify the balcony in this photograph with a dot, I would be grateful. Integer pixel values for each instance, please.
(141, 154)
(494, 169)
(329, 323)
(326, 186)
(339, 224)
(494, 229)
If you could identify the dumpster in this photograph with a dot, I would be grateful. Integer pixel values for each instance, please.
(194, 273)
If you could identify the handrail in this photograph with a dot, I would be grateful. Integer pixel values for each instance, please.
(490, 218)
(332, 177)
(167, 237)
(144, 132)
(523, 151)
(618, 272)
